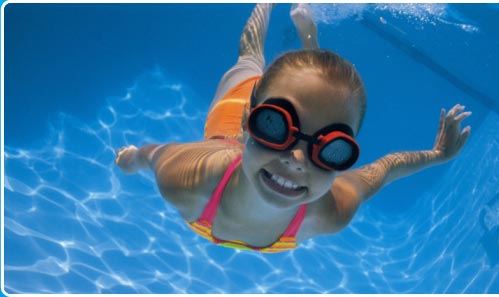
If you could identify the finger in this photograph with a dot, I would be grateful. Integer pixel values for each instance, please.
(462, 116)
(454, 110)
(465, 135)
(441, 125)
(118, 150)
(442, 121)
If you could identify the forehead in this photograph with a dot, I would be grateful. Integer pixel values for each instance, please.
(318, 102)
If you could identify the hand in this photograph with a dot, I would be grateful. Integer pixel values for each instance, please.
(450, 139)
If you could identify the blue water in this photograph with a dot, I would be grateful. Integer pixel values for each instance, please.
(82, 80)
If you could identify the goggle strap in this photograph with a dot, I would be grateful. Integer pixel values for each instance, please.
(308, 138)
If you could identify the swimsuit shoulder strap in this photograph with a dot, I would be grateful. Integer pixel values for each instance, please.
(295, 224)
(211, 208)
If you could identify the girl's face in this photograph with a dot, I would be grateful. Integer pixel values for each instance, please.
(289, 178)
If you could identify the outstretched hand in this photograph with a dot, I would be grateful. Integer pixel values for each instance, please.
(450, 138)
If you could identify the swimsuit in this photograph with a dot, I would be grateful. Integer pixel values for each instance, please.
(203, 226)
(224, 121)
(225, 118)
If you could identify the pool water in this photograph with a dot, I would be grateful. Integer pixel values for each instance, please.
(139, 74)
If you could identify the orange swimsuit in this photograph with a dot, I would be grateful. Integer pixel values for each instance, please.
(224, 121)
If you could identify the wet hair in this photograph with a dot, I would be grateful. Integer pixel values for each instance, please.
(331, 66)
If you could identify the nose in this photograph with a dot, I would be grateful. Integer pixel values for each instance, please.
(294, 160)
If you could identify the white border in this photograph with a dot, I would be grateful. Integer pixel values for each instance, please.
(242, 1)
(2, 108)
(2, 143)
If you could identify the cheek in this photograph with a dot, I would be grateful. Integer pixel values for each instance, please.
(320, 181)
(254, 156)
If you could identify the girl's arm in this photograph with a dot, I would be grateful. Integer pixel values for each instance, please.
(365, 181)
(186, 174)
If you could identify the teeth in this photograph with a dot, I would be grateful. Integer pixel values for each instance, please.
(284, 182)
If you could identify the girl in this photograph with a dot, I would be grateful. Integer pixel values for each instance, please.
(270, 172)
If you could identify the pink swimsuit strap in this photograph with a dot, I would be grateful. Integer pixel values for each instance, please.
(210, 210)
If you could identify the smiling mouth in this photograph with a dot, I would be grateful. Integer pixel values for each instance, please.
(281, 185)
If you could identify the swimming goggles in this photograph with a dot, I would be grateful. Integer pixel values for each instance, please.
(275, 125)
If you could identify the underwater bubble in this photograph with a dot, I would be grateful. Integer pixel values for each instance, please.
(417, 14)
(335, 13)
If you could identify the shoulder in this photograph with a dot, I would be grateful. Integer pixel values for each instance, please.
(188, 173)
(197, 157)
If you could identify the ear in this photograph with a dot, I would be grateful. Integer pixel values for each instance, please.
(253, 96)
(245, 116)
(243, 137)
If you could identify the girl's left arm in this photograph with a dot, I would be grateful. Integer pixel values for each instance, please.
(365, 181)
